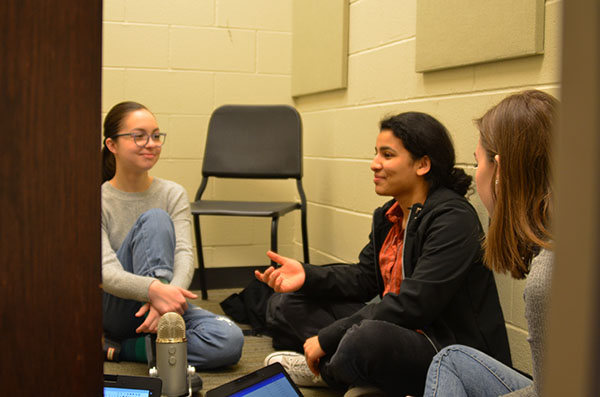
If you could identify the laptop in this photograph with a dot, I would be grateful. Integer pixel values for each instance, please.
(131, 386)
(268, 381)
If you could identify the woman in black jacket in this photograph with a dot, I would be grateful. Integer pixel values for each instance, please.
(424, 262)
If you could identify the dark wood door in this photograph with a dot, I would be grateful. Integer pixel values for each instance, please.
(50, 275)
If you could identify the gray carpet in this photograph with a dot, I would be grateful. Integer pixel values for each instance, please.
(256, 348)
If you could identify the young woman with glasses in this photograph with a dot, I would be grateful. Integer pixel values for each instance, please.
(147, 259)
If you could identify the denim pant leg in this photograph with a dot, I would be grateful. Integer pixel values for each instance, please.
(463, 371)
(148, 250)
(212, 340)
(382, 354)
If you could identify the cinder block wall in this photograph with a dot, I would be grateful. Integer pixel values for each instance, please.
(185, 58)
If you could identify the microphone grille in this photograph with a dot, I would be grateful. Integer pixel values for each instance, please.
(171, 328)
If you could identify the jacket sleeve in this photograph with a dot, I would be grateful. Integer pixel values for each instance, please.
(355, 282)
(450, 243)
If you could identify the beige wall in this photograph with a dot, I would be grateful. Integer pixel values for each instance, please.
(185, 59)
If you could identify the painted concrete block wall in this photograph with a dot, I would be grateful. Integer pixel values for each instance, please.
(237, 51)
(341, 126)
(184, 58)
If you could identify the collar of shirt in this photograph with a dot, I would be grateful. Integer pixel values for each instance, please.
(394, 214)
(390, 256)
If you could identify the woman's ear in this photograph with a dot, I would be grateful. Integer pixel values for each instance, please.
(423, 165)
(497, 161)
(110, 144)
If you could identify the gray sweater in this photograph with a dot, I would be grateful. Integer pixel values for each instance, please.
(537, 295)
(120, 210)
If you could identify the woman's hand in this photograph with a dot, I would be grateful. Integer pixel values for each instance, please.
(313, 354)
(287, 278)
(169, 298)
(150, 324)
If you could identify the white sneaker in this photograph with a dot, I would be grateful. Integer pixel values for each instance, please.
(295, 365)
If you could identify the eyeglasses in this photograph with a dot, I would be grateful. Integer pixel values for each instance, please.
(141, 139)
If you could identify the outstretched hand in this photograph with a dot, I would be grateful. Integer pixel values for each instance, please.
(287, 278)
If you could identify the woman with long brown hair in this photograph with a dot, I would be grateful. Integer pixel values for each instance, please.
(147, 259)
(514, 182)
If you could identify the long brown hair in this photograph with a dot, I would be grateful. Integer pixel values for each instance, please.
(519, 131)
(113, 122)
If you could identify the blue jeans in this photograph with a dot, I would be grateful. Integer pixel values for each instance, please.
(149, 250)
(463, 371)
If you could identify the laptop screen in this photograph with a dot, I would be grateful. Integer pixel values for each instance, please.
(269, 381)
(131, 386)
(119, 392)
(276, 385)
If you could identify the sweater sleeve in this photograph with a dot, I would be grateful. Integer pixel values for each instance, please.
(537, 293)
(120, 211)
(117, 281)
(179, 210)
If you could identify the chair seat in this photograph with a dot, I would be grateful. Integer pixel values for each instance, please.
(251, 142)
(243, 208)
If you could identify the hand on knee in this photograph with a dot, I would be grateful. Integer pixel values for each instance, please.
(169, 298)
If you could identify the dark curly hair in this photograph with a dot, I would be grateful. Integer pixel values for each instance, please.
(423, 135)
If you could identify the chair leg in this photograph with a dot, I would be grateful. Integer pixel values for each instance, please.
(201, 269)
(305, 249)
(274, 224)
(303, 211)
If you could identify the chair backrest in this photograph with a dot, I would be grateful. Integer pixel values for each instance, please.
(254, 141)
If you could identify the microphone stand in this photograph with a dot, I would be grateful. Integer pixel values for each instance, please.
(191, 371)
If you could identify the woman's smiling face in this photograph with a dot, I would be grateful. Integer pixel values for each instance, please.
(130, 156)
(395, 171)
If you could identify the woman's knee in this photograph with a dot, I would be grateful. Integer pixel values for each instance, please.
(234, 341)
(363, 341)
(443, 373)
(370, 330)
(233, 334)
(290, 305)
(156, 218)
(155, 224)
(215, 341)
(370, 340)
(453, 357)
(451, 352)
(287, 303)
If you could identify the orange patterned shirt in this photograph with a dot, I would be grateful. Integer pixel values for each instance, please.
(390, 256)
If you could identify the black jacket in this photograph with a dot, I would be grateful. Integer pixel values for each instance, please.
(447, 291)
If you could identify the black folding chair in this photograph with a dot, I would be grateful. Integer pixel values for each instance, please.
(251, 142)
